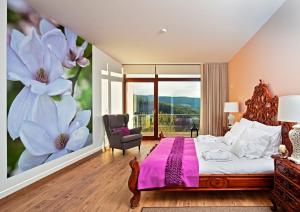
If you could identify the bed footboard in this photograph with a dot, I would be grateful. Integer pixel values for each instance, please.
(133, 183)
(211, 182)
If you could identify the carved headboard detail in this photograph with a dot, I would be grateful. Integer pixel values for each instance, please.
(263, 108)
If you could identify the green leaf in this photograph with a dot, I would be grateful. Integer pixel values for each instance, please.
(56, 98)
(13, 17)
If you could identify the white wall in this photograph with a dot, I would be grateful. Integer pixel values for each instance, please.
(106, 68)
(12, 184)
(272, 55)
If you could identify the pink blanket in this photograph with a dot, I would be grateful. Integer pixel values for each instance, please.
(152, 169)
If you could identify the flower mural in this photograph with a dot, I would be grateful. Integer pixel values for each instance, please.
(49, 111)
(31, 62)
(61, 128)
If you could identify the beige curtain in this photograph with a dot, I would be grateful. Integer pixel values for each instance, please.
(214, 92)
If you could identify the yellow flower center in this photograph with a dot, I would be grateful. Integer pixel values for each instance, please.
(61, 141)
(42, 76)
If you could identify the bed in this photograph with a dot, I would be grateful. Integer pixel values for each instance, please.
(238, 174)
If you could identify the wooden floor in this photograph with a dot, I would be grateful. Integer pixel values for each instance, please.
(100, 184)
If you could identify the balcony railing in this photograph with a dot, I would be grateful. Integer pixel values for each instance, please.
(170, 124)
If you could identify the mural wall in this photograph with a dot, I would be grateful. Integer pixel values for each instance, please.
(49, 89)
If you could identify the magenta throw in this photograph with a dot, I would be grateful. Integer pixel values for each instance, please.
(153, 168)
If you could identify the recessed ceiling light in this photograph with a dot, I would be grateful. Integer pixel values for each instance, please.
(163, 30)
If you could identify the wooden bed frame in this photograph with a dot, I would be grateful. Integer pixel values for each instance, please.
(262, 107)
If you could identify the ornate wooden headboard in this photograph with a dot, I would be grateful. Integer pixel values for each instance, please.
(263, 108)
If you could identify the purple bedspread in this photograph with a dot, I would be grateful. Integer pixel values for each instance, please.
(152, 169)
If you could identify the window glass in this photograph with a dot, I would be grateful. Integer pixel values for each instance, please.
(140, 106)
(104, 96)
(179, 107)
(116, 97)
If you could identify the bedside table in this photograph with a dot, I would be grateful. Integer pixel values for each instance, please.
(286, 192)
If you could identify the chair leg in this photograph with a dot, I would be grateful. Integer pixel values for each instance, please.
(123, 151)
(112, 150)
(139, 148)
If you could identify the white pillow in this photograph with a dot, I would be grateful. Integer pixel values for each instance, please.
(237, 148)
(276, 139)
(252, 144)
(234, 134)
(247, 123)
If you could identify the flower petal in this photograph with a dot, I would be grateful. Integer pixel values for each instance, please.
(81, 49)
(16, 69)
(19, 6)
(77, 139)
(89, 140)
(20, 110)
(55, 40)
(53, 67)
(28, 161)
(59, 86)
(66, 109)
(36, 140)
(46, 26)
(71, 39)
(15, 77)
(45, 115)
(69, 63)
(16, 39)
(84, 45)
(32, 51)
(83, 62)
(57, 155)
(82, 119)
(38, 87)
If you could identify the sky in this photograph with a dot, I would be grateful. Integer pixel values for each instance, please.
(176, 89)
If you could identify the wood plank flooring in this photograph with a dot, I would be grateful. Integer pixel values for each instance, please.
(100, 184)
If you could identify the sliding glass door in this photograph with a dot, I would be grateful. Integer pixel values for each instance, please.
(168, 105)
(140, 106)
(178, 106)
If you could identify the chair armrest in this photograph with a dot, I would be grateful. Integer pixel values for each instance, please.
(137, 130)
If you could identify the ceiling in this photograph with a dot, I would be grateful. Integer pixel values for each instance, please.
(198, 30)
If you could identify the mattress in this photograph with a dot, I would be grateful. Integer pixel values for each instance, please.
(235, 166)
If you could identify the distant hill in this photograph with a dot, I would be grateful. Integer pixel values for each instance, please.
(188, 104)
(193, 103)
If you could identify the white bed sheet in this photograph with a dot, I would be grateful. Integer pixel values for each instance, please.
(235, 166)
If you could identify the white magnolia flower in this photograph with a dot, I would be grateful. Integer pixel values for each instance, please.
(31, 62)
(74, 53)
(54, 131)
